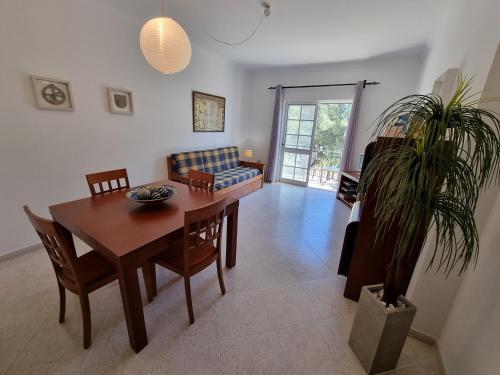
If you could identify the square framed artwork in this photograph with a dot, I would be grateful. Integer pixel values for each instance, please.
(120, 101)
(209, 112)
(53, 93)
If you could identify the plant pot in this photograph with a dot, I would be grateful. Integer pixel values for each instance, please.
(379, 334)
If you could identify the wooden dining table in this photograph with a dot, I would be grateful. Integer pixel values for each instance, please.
(128, 233)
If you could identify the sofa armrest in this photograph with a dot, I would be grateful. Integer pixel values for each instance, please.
(250, 164)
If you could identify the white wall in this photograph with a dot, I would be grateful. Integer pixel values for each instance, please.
(467, 39)
(398, 76)
(470, 339)
(472, 330)
(44, 154)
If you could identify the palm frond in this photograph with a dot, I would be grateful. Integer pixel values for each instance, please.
(434, 171)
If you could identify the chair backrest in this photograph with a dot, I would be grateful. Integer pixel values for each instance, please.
(107, 181)
(204, 225)
(60, 249)
(201, 180)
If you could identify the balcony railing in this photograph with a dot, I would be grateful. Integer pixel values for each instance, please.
(324, 172)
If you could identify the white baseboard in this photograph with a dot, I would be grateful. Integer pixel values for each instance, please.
(19, 252)
(430, 340)
(421, 336)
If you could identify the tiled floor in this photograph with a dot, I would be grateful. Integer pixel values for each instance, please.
(283, 314)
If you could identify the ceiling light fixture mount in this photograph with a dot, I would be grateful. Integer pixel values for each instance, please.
(165, 44)
(265, 14)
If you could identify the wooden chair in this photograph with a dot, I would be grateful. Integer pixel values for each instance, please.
(201, 180)
(196, 250)
(80, 275)
(108, 177)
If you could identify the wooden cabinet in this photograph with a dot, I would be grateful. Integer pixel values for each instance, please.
(366, 256)
(348, 187)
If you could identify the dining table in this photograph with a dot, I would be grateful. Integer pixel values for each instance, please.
(128, 233)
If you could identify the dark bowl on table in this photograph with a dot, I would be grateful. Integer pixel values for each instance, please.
(151, 195)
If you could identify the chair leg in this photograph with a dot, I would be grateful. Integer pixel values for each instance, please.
(84, 302)
(219, 274)
(62, 303)
(149, 273)
(187, 287)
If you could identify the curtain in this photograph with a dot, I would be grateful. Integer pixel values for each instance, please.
(351, 127)
(274, 147)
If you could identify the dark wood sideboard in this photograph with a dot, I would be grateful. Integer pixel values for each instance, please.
(365, 257)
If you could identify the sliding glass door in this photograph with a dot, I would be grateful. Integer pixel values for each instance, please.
(297, 143)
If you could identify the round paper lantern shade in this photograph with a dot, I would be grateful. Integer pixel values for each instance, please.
(165, 45)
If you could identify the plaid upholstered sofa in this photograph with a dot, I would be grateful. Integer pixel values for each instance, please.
(224, 163)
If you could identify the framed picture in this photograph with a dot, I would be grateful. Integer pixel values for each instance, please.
(121, 101)
(209, 112)
(52, 93)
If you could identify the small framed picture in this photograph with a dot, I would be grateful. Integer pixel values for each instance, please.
(209, 112)
(52, 93)
(121, 101)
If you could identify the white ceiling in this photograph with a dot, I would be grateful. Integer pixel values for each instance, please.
(309, 31)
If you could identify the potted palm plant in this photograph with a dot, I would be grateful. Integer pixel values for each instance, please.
(445, 156)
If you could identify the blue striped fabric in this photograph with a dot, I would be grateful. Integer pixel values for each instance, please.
(233, 176)
(213, 160)
(185, 161)
(232, 157)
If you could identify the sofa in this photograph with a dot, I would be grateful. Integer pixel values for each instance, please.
(231, 174)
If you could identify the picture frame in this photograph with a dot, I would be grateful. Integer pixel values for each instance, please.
(121, 101)
(53, 93)
(209, 112)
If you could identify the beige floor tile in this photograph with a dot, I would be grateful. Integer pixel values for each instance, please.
(33, 308)
(55, 349)
(324, 244)
(12, 341)
(242, 314)
(418, 353)
(327, 296)
(288, 305)
(255, 354)
(308, 352)
(283, 313)
(307, 266)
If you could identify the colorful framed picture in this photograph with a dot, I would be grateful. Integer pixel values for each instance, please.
(209, 112)
(53, 93)
(121, 101)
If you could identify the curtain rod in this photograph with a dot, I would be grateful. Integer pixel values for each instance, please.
(327, 85)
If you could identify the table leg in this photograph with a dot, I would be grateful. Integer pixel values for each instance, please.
(132, 306)
(232, 234)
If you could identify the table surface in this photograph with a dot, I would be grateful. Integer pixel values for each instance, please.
(115, 224)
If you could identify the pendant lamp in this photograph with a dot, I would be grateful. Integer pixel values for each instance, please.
(165, 45)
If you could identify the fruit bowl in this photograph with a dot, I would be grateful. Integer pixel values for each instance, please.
(151, 195)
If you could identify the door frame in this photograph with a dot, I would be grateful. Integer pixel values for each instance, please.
(297, 151)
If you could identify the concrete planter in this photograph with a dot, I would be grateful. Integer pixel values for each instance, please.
(378, 334)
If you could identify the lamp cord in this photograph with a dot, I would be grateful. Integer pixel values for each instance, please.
(266, 13)
(240, 42)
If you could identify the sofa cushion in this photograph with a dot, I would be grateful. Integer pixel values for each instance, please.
(185, 161)
(213, 160)
(233, 176)
(231, 157)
